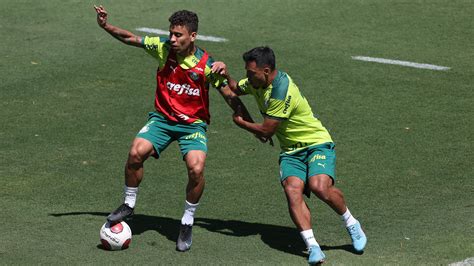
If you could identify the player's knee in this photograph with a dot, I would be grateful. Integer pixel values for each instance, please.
(195, 162)
(321, 190)
(320, 187)
(196, 171)
(135, 156)
(140, 151)
(293, 193)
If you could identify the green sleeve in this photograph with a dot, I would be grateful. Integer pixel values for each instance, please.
(244, 86)
(157, 47)
(216, 80)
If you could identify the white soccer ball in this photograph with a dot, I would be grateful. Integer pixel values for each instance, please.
(115, 236)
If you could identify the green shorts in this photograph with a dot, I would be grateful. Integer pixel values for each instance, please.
(161, 132)
(305, 163)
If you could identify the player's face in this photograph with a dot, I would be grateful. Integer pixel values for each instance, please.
(258, 76)
(181, 39)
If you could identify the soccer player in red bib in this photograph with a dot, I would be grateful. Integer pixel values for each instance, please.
(181, 111)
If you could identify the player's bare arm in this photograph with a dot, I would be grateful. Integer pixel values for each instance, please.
(241, 111)
(221, 68)
(230, 96)
(266, 129)
(235, 103)
(120, 34)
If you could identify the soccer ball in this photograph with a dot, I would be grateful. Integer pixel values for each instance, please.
(115, 236)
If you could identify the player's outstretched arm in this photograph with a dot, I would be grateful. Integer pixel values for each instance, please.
(230, 94)
(118, 33)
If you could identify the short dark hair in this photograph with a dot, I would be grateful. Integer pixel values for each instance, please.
(185, 18)
(262, 56)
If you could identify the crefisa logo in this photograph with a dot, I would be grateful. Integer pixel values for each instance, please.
(183, 88)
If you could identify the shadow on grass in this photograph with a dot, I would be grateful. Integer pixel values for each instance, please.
(285, 239)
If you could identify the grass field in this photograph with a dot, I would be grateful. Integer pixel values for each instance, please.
(72, 99)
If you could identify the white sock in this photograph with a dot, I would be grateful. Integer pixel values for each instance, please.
(189, 210)
(130, 196)
(308, 238)
(348, 218)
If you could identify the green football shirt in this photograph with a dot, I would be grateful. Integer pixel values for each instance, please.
(283, 100)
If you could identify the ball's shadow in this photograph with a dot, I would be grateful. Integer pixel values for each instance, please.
(285, 239)
(100, 246)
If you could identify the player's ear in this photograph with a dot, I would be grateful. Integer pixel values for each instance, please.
(193, 36)
(267, 70)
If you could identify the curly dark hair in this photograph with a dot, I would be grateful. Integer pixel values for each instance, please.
(262, 56)
(185, 18)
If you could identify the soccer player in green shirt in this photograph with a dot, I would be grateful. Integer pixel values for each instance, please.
(307, 158)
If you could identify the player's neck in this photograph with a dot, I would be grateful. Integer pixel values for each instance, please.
(271, 77)
(190, 51)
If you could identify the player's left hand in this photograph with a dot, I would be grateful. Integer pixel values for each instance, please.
(265, 139)
(270, 141)
(238, 119)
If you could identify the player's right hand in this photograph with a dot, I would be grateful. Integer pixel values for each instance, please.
(219, 68)
(101, 16)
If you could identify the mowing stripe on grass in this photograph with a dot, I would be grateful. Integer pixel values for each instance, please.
(401, 63)
(199, 37)
(466, 262)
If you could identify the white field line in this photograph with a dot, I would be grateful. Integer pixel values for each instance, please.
(199, 37)
(401, 63)
(466, 262)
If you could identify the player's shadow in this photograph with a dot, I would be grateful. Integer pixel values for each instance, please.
(286, 239)
(282, 238)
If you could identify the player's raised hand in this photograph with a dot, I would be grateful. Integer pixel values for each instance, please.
(101, 16)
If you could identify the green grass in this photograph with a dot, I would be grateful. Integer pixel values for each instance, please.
(73, 98)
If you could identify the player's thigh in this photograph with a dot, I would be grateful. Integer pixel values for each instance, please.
(293, 165)
(158, 132)
(192, 138)
(322, 161)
